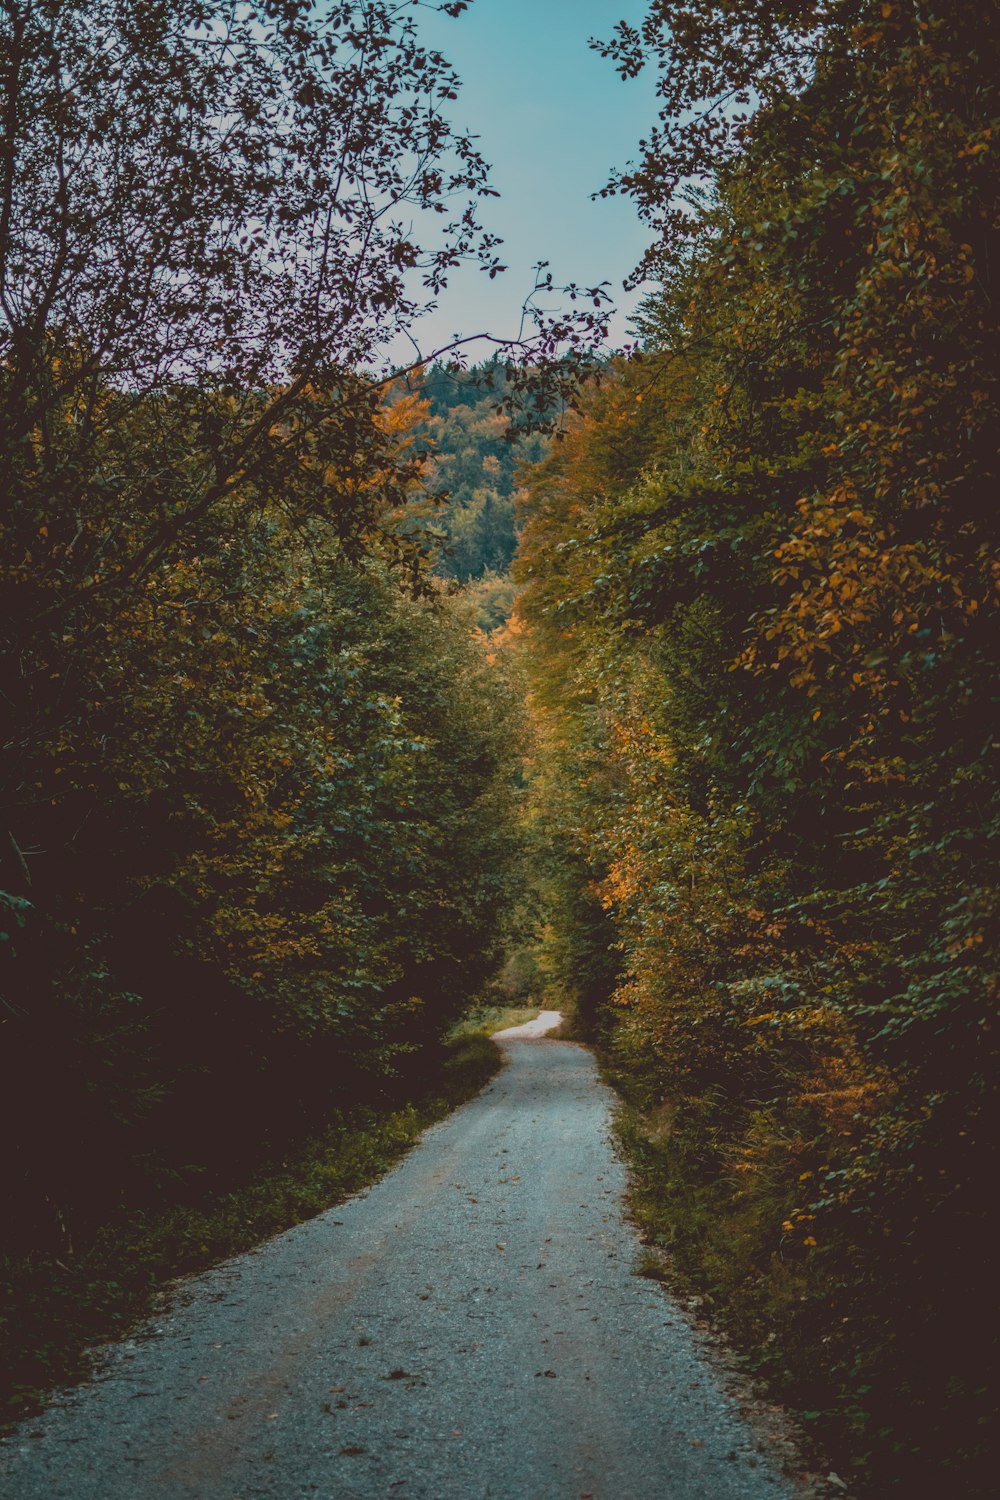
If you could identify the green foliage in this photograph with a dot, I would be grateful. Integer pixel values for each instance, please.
(279, 844)
(759, 610)
(257, 769)
(470, 484)
(492, 598)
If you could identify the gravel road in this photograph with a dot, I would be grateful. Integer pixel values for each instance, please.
(470, 1327)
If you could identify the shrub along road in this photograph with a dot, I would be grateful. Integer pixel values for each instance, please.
(470, 1327)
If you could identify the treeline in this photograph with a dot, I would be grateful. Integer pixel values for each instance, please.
(257, 770)
(474, 427)
(758, 599)
(475, 461)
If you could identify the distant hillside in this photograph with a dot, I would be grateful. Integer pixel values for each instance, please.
(475, 465)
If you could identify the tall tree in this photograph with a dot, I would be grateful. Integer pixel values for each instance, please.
(232, 750)
(768, 648)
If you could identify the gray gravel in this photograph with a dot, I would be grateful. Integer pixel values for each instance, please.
(469, 1327)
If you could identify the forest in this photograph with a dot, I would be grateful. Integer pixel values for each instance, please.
(664, 678)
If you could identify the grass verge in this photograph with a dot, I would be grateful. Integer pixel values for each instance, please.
(52, 1311)
(489, 1019)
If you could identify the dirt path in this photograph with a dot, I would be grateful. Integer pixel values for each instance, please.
(468, 1328)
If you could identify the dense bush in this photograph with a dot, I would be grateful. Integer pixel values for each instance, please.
(759, 596)
(269, 835)
(256, 770)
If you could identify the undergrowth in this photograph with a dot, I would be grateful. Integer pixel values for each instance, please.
(54, 1309)
(489, 1019)
(876, 1372)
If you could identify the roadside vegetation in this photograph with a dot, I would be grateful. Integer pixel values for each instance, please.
(490, 1019)
(259, 769)
(758, 611)
(56, 1312)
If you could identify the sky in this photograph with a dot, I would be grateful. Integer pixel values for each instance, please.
(553, 118)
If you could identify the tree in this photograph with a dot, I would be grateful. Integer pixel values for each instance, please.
(210, 199)
(208, 243)
(765, 647)
(211, 763)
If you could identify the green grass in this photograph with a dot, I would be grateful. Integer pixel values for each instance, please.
(53, 1310)
(489, 1019)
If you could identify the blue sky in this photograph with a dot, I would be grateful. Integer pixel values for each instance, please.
(553, 118)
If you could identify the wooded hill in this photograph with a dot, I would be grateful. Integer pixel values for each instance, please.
(474, 460)
(469, 427)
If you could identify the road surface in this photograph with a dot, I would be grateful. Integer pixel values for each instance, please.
(470, 1327)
